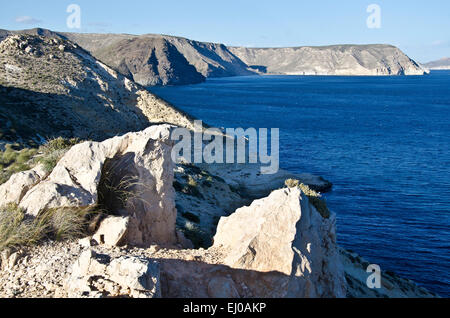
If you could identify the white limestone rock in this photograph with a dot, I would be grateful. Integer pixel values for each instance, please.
(112, 231)
(18, 185)
(97, 275)
(139, 164)
(284, 234)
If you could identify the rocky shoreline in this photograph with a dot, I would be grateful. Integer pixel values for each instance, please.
(143, 247)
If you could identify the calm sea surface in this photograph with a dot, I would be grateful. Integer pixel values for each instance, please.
(384, 142)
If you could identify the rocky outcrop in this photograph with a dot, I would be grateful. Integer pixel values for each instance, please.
(98, 275)
(113, 231)
(392, 286)
(250, 183)
(376, 59)
(131, 176)
(284, 233)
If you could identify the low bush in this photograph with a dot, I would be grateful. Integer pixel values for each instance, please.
(314, 198)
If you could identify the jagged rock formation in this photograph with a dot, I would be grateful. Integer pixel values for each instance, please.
(136, 165)
(56, 270)
(374, 59)
(284, 233)
(51, 87)
(442, 64)
(98, 275)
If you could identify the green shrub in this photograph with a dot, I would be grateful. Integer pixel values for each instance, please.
(54, 150)
(191, 188)
(13, 161)
(192, 182)
(314, 198)
(59, 143)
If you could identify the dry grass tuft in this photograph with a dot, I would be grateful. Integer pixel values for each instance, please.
(16, 229)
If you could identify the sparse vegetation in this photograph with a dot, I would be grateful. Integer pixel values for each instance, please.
(190, 188)
(68, 223)
(13, 160)
(314, 198)
(17, 229)
(54, 150)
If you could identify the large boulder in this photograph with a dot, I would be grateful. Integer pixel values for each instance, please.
(97, 275)
(285, 236)
(131, 176)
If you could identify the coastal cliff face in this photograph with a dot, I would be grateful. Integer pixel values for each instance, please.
(330, 60)
(442, 64)
(153, 59)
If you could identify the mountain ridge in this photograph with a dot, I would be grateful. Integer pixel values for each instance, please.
(156, 59)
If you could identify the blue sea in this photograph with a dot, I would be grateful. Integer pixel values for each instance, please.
(384, 142)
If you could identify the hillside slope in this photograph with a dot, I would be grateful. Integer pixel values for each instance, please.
(185, 61)
(442, 64)
(374, 59)
(51, 87)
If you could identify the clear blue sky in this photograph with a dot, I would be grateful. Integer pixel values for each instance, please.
(420, 28)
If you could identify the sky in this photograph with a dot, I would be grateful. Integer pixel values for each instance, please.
(420, 28)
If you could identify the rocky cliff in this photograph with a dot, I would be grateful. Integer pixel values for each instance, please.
(330, 60)
(282, 245)
(442, 64)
